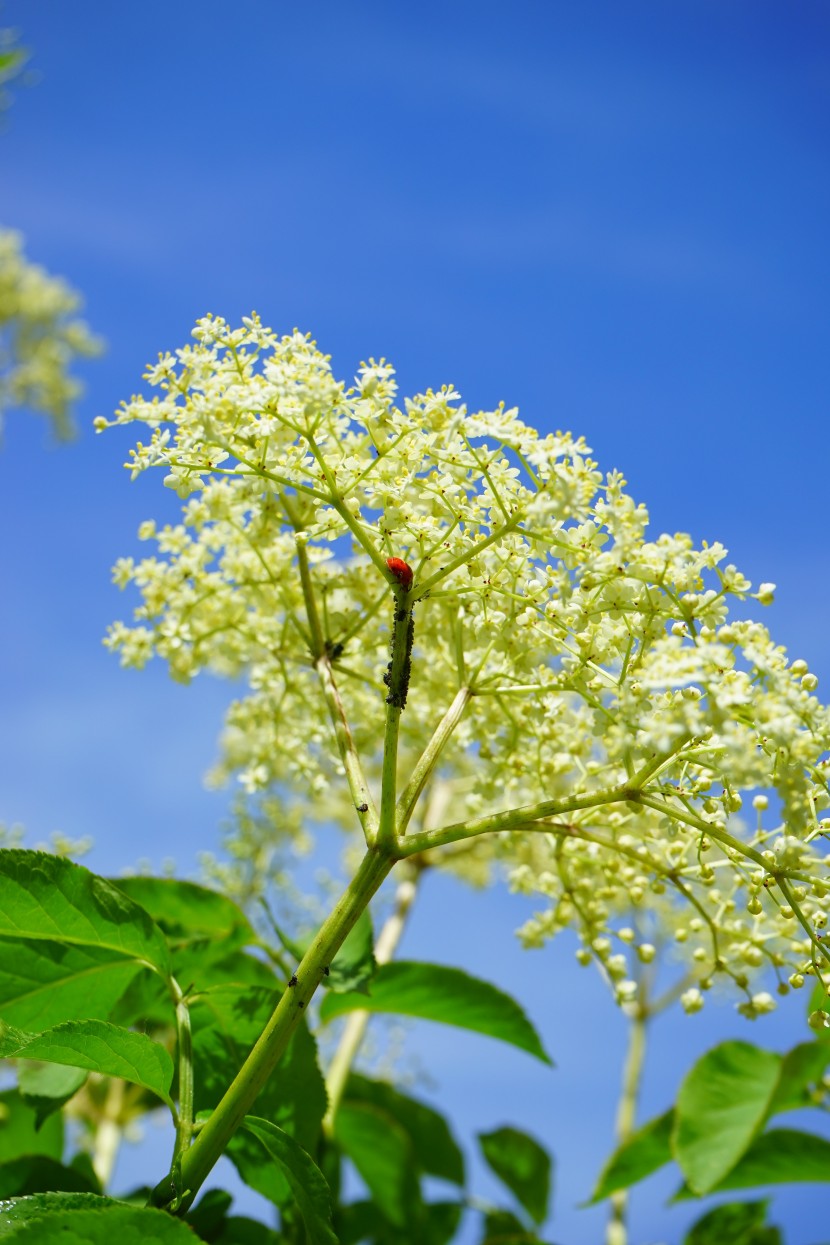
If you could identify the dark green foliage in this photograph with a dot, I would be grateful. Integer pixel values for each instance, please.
(523, 1165)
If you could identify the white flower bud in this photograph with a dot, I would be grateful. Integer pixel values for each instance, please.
(691, 1000)
(763, 1002)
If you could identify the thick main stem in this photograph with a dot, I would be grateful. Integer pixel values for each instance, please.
(354, 1029)
(179, 1188)
(397, 681)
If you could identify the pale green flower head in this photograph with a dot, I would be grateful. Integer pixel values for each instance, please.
(41, 337)
(605, 692)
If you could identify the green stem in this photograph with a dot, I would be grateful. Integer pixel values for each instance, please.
(706, 827)
(513, 819)
(317, 640)
(787, 892)
(184, 1121)
(397, 680)
(337, 503)
(358, 784)
(356, 1024)
(616, 1232)
(471, 553)
(429, 758)
(180, 1188)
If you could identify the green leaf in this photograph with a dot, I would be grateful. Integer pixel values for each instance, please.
(522, 1165)
(239, 1230)
(801, 1068)
(434, 1149)
(440, 1222)
(207, 1216)
(780, 1156)
(739, 1223)
(722, 1104)
(646, 1150)
(227, 1021)
(382, 1152)
(360, 1222)
(448, 995)
(44, 983)
(50, 898)
(85, 1219)
(206, 964)
(35, 1173)
(20, 1133)
(304, 1176)
(187, 912)
(99, 1047)
(146, 1004)
(503, 1228)
(46, 1087)
(354, 965)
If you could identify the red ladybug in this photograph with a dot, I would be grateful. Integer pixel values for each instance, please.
(402, 571)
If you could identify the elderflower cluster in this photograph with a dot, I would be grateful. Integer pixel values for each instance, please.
(40, 338)
(611, 693)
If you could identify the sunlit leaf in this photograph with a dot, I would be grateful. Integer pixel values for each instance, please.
(86, 1219)
(51, 898)
(721, 1106)
(801, 1068)
(303, 1175)
(46, 1087)
(45, 983)
(97, 1046)
(187, 912)
(448, 995)
(19, 1131)
(646, 1150)
(780, 1156)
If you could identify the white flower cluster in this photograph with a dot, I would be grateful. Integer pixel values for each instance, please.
(40, 338)
(610, 695)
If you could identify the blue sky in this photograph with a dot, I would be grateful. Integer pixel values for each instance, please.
(611, 215)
